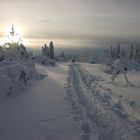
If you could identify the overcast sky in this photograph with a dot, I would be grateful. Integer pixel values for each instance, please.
(73, 23)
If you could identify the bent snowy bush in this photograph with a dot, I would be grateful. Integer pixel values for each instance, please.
(16, 76)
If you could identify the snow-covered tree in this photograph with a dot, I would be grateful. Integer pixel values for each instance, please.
(123, 55)
(111, 52)
(30, 53)
(131, 52)
(114, 52)
(45, 51)
(137, 52)
(14, 49)
(121, 66)
(63, 55)
(51, 48)
(106, 58)
(1, 53)
(118, 52)
(22, 51)
(48, 52)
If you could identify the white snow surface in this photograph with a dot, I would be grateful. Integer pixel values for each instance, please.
(73, 102)
(119, 87)
(42, 112)
(103, 115)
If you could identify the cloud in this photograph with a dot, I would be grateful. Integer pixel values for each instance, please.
(46, 21)
(82, 21)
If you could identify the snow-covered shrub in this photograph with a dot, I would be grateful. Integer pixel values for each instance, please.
(23, 79)
(32, 71)
(121, 61)
(16, 67)
(44, 60)
(123, 66)
(14, 73)
(16, 76)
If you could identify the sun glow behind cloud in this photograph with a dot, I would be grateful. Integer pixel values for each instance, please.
(19, 33)
(83, 23)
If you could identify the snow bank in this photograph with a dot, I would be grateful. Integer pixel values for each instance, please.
(16, 76)
(5, 83)
(32, 70)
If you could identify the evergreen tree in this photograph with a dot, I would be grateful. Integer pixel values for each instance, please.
(43, 51)
(131, 51)
(118, 51)
(114, 53)
(111, 52)
(63, 55)
(123, 54)
(46, 49)
(1, 53)
(22, 51)
(137, 51)
(51, 49)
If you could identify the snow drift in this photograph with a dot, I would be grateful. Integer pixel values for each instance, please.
(16, 76)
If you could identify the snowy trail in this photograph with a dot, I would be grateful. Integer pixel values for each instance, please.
(99, 115)
(80, 110)
(42, 113)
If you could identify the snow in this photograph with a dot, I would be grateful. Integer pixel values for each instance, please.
(118, 88)
(74, 101)
(105, 115)
(5, 84)
(42, 112)
(16, 76)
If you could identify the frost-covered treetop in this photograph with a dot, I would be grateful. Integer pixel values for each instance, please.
(13, 36)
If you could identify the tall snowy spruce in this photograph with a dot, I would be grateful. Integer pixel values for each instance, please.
(137, 52)
(45, 51)
(51, 48)
(131, 52)
(47, 55)
(13, 49)
(48, 52)
(118, 53)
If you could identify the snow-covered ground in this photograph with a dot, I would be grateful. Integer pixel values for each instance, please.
(101, 114)
(119, 87)
(42, 112)
(73, 102)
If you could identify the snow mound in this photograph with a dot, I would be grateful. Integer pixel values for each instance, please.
(5, 83)
(16, 76)
(32, 70)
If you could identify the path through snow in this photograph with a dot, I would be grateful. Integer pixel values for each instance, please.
(83, 110)
(42, 113)
(100, 115)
